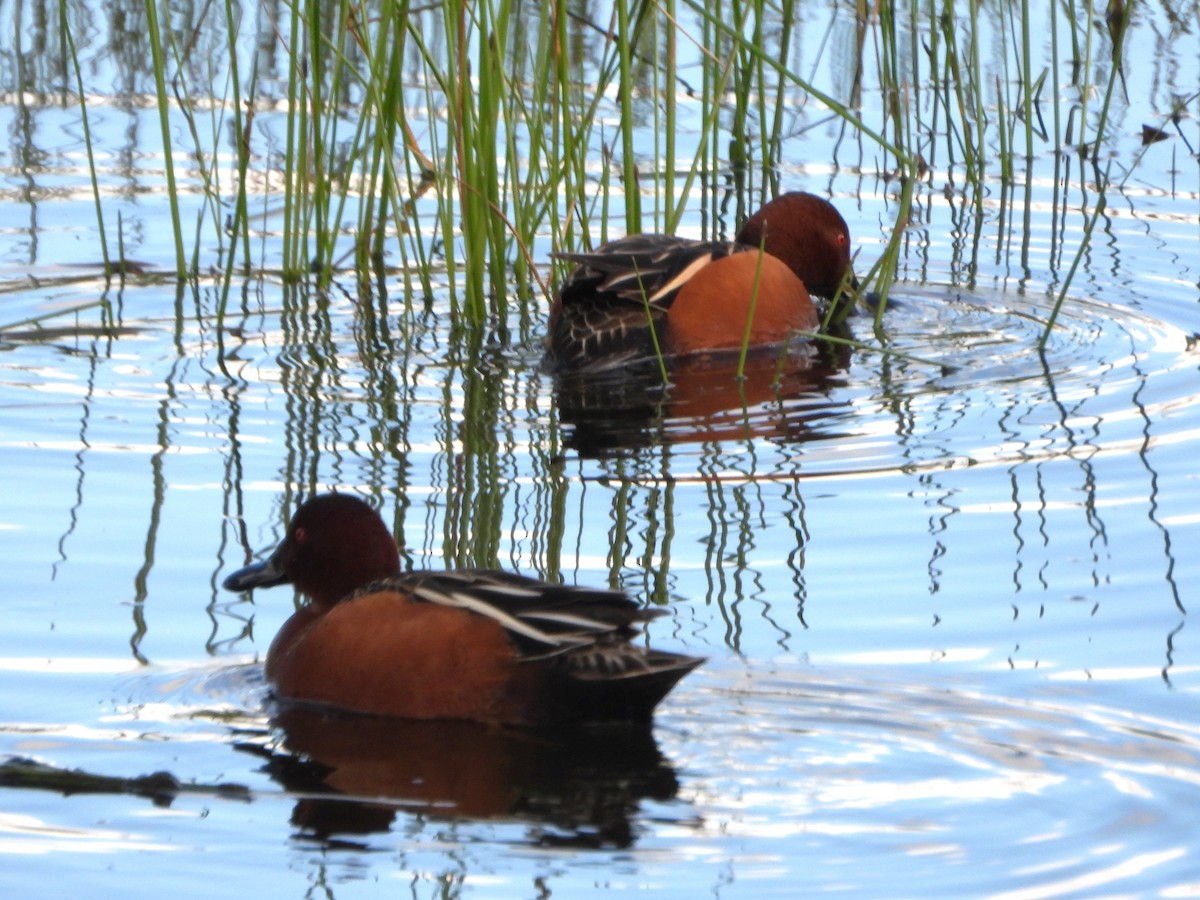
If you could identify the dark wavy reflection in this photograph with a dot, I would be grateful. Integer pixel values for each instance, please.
(354, 774)
(702, 400)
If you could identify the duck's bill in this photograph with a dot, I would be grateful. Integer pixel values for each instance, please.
(261, 574)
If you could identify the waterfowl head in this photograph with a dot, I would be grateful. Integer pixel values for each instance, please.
(807, 233)
(334, 545)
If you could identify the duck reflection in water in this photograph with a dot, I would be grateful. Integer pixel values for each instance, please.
(354, 774)
(783, 394)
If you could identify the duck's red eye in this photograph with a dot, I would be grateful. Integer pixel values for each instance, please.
(842, 239)
(299, 536)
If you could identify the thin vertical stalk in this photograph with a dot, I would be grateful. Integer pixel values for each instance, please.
(669, 77)
(890, 259)
(471, 125)
(626, 38)
(773, 137)
(164, 121)
(239, 224)
(65, 24)
(1027, 80)
(295, 153)
(497, 120)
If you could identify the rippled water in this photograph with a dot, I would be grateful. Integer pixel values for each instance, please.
(864, 581)
(761, 779)
(943, 581)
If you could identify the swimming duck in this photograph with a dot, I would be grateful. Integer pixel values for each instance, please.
(652, 291)
(470, 644)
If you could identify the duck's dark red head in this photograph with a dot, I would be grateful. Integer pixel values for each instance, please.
(334, 545)
(807, 233)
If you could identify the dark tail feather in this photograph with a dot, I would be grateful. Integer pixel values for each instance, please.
(629, 696)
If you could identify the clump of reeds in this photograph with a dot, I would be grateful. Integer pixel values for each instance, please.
(458, 144)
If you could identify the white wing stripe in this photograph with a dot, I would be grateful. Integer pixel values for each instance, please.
(684, 274)
(564, 618)
(466, 601)
(508, 590)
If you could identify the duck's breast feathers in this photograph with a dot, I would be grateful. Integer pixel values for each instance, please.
(643, 269)
(541, 618)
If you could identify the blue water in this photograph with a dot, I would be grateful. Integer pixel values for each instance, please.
(944, 590)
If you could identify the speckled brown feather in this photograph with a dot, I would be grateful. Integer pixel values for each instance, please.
(614, 304)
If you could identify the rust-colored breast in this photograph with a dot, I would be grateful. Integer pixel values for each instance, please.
(711, 310)
(382, 654)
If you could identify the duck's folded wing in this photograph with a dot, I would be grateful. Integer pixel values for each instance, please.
(611, 310)
(582, 635)
(542, 618)
(643, 270)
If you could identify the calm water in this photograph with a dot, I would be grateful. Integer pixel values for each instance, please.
(945, 596)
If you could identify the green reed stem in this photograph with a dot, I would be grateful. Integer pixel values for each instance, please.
(711, 133)
(1114, 75)
(658, 351)
(890, 81)
(1003, 135)
(500, 124)
(564, 145)
(958, 127)
(745, 349)
(295, 154)
(915, 79)
(206, 164)
(773, 139)
(626, 38)
(1084, 69)
(707, 161)
(377, 175)
(1027, 81)
(64, 23)
(1080, 252)
(320, 137)
(757, 77)
(889, 260)
(669, 93)
(241, 132)
(160, 86)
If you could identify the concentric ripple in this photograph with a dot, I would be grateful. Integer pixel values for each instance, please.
(958, 784)
(952, 379)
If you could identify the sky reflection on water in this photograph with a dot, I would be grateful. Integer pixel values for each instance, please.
(945, 599)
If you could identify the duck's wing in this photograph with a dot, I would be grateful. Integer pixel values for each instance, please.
(640, 270)
(611, 308)
(582, 634)
(543, 619)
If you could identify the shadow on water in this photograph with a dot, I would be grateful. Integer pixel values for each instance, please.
(353, 775)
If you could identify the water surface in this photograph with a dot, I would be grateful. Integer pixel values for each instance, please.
(944, 591)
